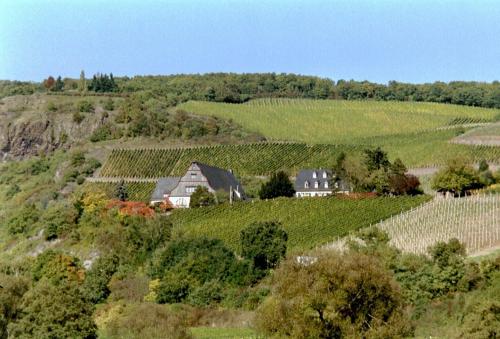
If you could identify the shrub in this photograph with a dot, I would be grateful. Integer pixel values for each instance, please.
(84, 106)
(349, 295)
(109, 104)
(95, 287)
(78, 117)
(146, 320)
(457, 178)
(24, 219)
(48, 311)
(264, 243)
(201, 197)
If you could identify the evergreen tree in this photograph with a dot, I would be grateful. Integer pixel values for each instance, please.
(59, 85)
(121, 191)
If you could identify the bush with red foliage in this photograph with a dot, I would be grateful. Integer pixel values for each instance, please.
(131, 208)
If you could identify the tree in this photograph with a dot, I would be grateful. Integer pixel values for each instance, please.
(48, 311)
(49, 83)
(279, 185)
(59, 85)
(339, 295)
(121, 191)
(376, 159)
(95, 287)
(82, 83)
(457, 178)
(201, 197)
(264, 243)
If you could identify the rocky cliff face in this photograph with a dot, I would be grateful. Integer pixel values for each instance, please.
(24, 134)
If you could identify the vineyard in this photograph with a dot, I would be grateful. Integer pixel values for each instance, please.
(247, 159)
(137, 190)
(418, 150)
(337, 121)
(308, 222)
(474, 220)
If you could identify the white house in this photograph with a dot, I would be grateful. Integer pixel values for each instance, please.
(318, 183)
(178, 190)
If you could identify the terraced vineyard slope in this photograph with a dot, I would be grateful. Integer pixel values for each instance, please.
(474, 220)
(137, 190)
(338, 121)
(309, 222)
(247, 159)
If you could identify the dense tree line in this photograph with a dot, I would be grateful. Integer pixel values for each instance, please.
(238, 88)
(457, 92)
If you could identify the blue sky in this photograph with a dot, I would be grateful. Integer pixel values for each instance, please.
(378, 40)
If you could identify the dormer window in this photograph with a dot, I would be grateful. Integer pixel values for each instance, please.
(316, 184)
(326, 184)
(306, 184)
(324, 175)
(315, 175)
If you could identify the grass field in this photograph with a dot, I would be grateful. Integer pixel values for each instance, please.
(337, 121)
(474, 220)
(309, 222)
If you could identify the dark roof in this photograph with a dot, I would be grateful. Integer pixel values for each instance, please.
(307, 175)
(220, 179)
(164, 186)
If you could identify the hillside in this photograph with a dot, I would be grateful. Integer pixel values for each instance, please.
(337, 121)
(308, 222)
(474, 220)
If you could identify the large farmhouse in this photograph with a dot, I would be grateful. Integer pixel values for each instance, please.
(178, 190)
(318, 183)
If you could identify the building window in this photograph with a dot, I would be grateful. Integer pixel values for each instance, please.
(316, 184)
(314, 175)
(306, 184)
(190, 189)
(325, 175)
(326, 184)
(193, 175)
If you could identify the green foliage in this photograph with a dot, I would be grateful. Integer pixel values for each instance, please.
(137, 191)
(457, 178)
(483, 322)
(106, 131)
(201, 197)
(57, 267)
(337, 296)
(49, 311)
(263, 243)
(95, 287)
(78, 117)
(187, 264)
(279, 185)
(103, 83)
(109, 104)
(308, 222)
(376, 159)
(58, 219)
(12, 290)
(23, 220)
(145, 235)
(146, 320)
(85, 106)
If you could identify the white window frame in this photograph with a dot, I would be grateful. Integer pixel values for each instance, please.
(315, 175)
(306, 184)
(316, 184)
(190, 189)
(325, 175)
(326, 184)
